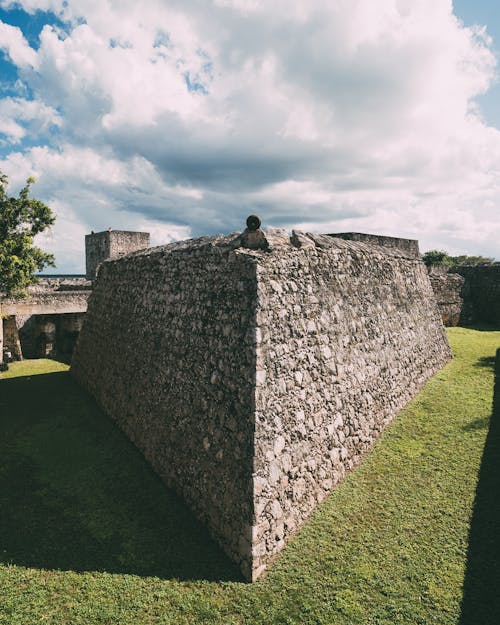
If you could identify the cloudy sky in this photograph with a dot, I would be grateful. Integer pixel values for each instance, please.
(181, 117)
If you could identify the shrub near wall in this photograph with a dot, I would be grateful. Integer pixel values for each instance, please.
(253, 381)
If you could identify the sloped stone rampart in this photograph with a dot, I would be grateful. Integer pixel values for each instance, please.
(347, 336)
(253, 381)
(451, 297)
(167, 349)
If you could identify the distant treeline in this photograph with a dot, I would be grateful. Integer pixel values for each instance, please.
(440, 257)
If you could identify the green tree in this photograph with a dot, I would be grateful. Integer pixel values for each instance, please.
(21, 219)
(437, 257)
(473, 260)
(440, 257)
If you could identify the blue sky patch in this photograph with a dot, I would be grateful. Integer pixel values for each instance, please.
(31, 25)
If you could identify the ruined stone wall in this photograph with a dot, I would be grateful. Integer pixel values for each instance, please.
(467, 294)
(407, 246)
(63, 299)
(111, 244)
(482, 284)
(254, 381)
(167, 349)
(60, 283)
(452, 297)
(96, 251)
(11, 341)
(347, 336)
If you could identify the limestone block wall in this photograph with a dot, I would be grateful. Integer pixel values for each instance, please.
(11, 341)
(482, 283)
(110, 244)
(451, 296)
(253, 381)
(407, 246)
(167, 349)
(467, 294)
(347, 336)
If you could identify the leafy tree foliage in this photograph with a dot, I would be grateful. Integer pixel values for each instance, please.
(472, 260)
(437, 257)
(21, 219)
(440, 257)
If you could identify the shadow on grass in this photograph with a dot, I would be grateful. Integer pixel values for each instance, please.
(486, 361)
(481, 326)
(481, 596)
(75, 494)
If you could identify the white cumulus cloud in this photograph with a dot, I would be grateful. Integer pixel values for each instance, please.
(187, 116)
(13, 43)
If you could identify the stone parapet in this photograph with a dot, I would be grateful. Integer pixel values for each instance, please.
(449, 293)
(482, 284)
(407, 246)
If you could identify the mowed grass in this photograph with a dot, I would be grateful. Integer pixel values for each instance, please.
(89, 534)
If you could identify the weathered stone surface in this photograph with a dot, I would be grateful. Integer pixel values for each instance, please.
(467, 294)
(49, 296)
(58, 300)
(359, 338)
(407, 246)
(449, 293)
(481, 292)
(11, 341)
(167, 349)
(101, 246)
(253, 381)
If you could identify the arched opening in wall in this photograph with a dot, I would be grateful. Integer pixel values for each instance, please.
(68, 329)
(45, 337)
(51, 336)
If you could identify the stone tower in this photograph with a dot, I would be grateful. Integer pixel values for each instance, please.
(110, 245)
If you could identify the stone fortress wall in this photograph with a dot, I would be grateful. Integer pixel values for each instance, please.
(449, 292)
(111, 244)
(481, 292)
(168, 350)
(48, 321)
(467, 294)
(407, 246)
(254, 380)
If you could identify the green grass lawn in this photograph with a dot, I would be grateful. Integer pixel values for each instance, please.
(89, 534)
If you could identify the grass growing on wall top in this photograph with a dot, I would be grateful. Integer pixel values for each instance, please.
(88, 533)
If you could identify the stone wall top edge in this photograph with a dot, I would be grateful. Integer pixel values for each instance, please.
(365, 234)
(56, 283)
(329, 241)
(47, 296)
(226, 244)
(495, 267)
(104, 232)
